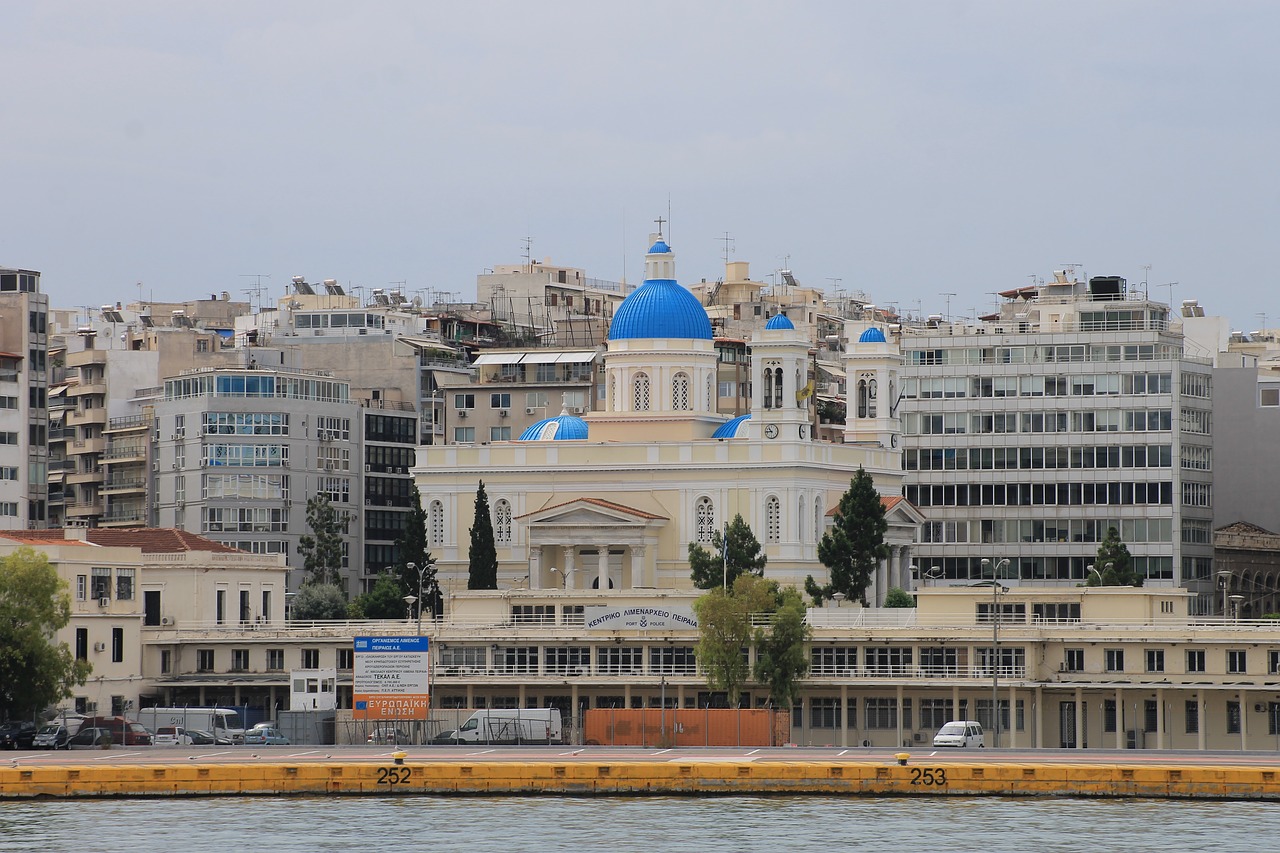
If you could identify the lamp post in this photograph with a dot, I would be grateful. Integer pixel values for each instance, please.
(1224, 584)
(995, 651)
(1089, 569)
(560, 574)
(1236, 601)
(839, 598)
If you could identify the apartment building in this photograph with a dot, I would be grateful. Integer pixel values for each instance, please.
(1071, 410)
(24, 388)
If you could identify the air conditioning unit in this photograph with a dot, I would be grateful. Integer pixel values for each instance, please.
(529, 410)
(180, 504)
(502, 413)
(328, 466)
(166, 620)
(104, 602)
(462, 413)
(173, 437)
(175, 466)
(99, 647)
(367, 468)
(323, 435)
(577, 410)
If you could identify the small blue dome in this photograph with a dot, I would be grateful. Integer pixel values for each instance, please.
(779, 321)
(730, 429)
(660, 308)
(559, 428)
(659, 248)
(871, 336)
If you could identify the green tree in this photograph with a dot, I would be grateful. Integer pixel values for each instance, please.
(854, 545)
(1114, 563)
(780, 651)
(745, 556)
(725, 629)
(321, 549)
(411, 547)
(899, 597)
(36, 671)
(384, 601)
(319, 601)
(482, 556)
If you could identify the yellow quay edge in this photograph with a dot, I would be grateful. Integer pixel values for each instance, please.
(629, 778)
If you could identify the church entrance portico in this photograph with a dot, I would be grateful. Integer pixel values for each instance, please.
(591, 543)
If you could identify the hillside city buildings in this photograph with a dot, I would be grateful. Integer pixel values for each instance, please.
(162, 456)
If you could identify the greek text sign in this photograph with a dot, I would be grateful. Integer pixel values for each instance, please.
(391, 677)
(639, 618)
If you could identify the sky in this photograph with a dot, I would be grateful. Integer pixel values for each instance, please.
(925, 154)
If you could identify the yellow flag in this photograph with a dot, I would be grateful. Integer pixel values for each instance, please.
(805, 393)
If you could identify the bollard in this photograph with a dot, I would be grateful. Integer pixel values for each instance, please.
(902, 757)
(398, 756)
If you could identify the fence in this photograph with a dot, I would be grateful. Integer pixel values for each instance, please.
(670, 727)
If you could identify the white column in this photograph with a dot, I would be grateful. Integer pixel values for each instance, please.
(1120, 719)
(1200, 721)
(535, 567)
(1159, 718)
(602, 567)
(1244, 721)
(639, 572)
(895, 568)
(570, 554)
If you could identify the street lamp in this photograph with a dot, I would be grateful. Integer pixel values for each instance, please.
(1091, 570)
(1224, 584)
(563, 579)
(839, 598)
(422, 573)
(408, 602)
(1236, 601)
(995, 651)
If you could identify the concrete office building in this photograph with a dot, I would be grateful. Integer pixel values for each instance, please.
(1071, 410)
(24, 388)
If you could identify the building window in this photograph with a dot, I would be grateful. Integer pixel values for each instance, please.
(239, 660)
(680, 393)
(346, 658)
(464, 435)
(117, 645)
(1273, 662)
(772, 519)
(1273, 718)
(1115, 660)
(166, 661)
(935, 712)
(1237, 663)
(705, 519)
(82, 644)
(824, 713)
(500, 433)
(82, 587)
(436, 523)
(1073, 660)
(502, 521)
(310, 658)
(275, 659)
(1233, 718)
(640, 393)
(882, 713)
(817, 520)
(1155, 660)
(204, 660)
(500, 401)
(1108, 715)
(464, 401)
(1195, 660)
(1150, 715)
(101, 587)
(1191, 711)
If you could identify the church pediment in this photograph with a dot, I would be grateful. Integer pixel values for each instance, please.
(590, 512)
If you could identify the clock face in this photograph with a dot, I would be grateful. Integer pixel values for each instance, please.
(802, 431)
(771, 431)
(893, 440)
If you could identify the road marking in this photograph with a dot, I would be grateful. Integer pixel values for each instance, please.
(308, 752)
(482, 752)
(708, 759)
(662, 752)
(842, 752)
(574, 752)
(753, 752)
(213, 754)
(117, 755)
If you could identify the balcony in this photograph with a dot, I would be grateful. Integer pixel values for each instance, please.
(130, 422)
(90, 475)
(86, 416)
(117, 485)
(124, 518)
(81, 446)
(122, 452)
(82, 509)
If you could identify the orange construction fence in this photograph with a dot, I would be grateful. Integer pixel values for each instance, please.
(669, 727)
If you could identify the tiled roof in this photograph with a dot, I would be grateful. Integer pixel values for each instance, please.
(152, 540)
(600, 503)
(887, 502)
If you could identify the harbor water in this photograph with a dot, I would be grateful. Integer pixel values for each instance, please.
(650, 824)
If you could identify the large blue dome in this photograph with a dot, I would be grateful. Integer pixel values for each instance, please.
(660, 308)
(871, 336)
(779, 321)
(559, 428)
(736, 428)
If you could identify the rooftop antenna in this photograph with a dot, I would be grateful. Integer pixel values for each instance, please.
(528, 254)
(948, 295)
(256, 291)
(1263, 317)
(1146, 269)
(729, 245)
(1169, 285)
(835, 286)
(668, 216)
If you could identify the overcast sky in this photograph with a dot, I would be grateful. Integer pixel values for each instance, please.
(908, 149)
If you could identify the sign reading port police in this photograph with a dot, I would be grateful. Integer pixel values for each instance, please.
(391, 678)
(638, 618)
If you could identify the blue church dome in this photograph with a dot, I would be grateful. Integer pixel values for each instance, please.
(871, 336)
(659, 248)
(559, 428)
(731, 429)
(779, 321)
(660, 308)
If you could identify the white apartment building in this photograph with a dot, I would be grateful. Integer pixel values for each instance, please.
(24, 411)
(1071, 410)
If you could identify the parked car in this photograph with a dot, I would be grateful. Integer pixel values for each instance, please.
(90, 737)
(172, 736)
(199, 737)
(18, 734)
(265, 736)
(52, 736)
(960, 733)
(386, 733)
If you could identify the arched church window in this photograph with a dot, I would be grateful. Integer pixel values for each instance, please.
(777, 388)
(705, 513)
(502, 521)
(871, 398)
(818, 514)
(680, 393)
(435, 522)
(862, 398)
(772, 519)
(800, 516)
(768, 388)
(640, 393)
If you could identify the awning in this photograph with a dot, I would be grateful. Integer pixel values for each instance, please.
(427, 344)
(576, 357)
(499, 358)
(834, 371)
(540, 357)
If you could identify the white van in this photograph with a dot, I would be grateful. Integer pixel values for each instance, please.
(960, 733)
(503, 726)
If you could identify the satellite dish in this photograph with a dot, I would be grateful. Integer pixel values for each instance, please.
(417, 302)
